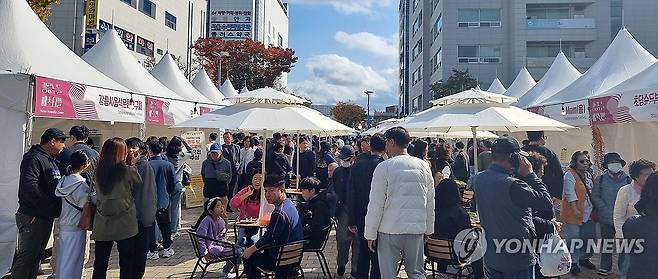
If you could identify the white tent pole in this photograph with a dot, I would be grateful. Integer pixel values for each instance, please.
(297, 168)
(475, 148)
(142, 131)
(29, 114)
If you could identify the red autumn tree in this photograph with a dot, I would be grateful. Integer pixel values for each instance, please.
(248, 62)
(42, 8)
(349, 114)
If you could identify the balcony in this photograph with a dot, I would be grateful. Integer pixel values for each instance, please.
(562, 23)
(545, 62)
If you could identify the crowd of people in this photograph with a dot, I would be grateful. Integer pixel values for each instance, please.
(385, 193)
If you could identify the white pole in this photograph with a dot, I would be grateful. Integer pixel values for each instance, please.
(29, 115)
(475, 148)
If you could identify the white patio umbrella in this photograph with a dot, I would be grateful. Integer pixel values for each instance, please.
(477, 109)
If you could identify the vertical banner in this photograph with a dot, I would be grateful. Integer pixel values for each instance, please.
(194, 192)
(91, 14)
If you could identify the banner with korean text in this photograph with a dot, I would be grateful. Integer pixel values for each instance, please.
(167, 112)
(627, 107)
(62, 99)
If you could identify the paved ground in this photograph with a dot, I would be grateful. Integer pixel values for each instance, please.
(181, 264)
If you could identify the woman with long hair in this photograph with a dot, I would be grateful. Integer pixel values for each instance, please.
(248, 202)
(116, 216)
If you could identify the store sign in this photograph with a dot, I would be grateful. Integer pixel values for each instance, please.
(91, 14)
(573, 113)
(231, 24)
(145, 47)
(127, 37)
(90, 39)
(61, 99)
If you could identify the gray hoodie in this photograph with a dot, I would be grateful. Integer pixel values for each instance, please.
(73, 190)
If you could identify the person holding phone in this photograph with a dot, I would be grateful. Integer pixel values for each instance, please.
(506, 193)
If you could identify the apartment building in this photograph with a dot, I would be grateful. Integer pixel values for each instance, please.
(496, 38)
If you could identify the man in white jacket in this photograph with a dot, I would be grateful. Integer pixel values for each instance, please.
(401, 208)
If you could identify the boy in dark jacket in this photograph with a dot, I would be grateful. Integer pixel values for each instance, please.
(314, 213)
(165, 180)
(38, 205)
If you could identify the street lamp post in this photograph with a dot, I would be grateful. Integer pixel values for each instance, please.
(222, 54)
(368, 115)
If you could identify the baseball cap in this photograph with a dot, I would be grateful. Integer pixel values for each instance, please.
(506, 145)
(535, 135)
(346, 152)
(215, 147)
(53, 133)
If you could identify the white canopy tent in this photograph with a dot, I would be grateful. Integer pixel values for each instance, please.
(522, 83)
(168, 73)
(27, 48)
(497, 87)
(624, 58)
(228, 89)
(266, 95)
(203, 84)
(244, 90)
(559, 75)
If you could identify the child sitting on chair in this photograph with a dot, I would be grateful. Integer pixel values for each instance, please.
(212, 225)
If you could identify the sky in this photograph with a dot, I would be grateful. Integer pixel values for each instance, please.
(345, 47)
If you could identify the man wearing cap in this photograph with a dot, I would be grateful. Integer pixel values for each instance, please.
(216, 172)
(38, 205)
(506, 193)
(344, 237)
(553, 173)
(604, 194)
(284, 227)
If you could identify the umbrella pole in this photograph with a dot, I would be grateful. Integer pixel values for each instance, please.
(297, 167)
(475, 148)
(263, 201)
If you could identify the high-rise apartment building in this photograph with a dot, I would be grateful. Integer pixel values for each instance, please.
(496, 38)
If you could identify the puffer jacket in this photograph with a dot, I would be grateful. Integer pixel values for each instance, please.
(401, 198)
(604, 194)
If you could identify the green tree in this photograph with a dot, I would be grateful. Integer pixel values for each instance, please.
(349, 114)
(457, 82)
(42, 8)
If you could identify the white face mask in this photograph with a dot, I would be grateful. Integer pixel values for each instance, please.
(614, 167)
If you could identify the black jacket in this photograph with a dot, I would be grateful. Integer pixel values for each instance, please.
(39, 175)
(306, 163)
(315, 217)
(278, 164)
(449, 216)
(553, 173)
(358, 192)
(341, 184)
(642, 263)
(64, 160)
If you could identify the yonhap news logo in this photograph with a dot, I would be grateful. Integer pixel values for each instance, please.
(470, 245)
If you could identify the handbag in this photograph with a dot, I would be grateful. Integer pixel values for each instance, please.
(86, 222)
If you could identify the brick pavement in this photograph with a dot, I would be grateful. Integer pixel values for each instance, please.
(181, 264)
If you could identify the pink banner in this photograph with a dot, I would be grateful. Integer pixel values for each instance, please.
(203, 110)
(157, 112)
(609, 109)
(53, 98)
(62, 99)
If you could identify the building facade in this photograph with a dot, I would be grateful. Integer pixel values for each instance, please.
(149, 28)
(496, 38)
(324, 109)
(264, 21)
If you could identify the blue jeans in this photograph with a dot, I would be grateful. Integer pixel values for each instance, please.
(528, 273)
(579, 233)
(174, 207)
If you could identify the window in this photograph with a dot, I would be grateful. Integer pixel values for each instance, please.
(170, 20)
(438, 26)
(417, 75)
(435, 2)
(473, 18)
(478, 54)
(436, 61)
(148, 8)
(280, 41)
(129, 2)
(415, 5)
(417, 50)
(414, 104)
(417, 24)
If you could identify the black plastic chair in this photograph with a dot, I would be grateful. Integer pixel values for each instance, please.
(204, 263)
(289, 256)
(441, 251)
(319, 252)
